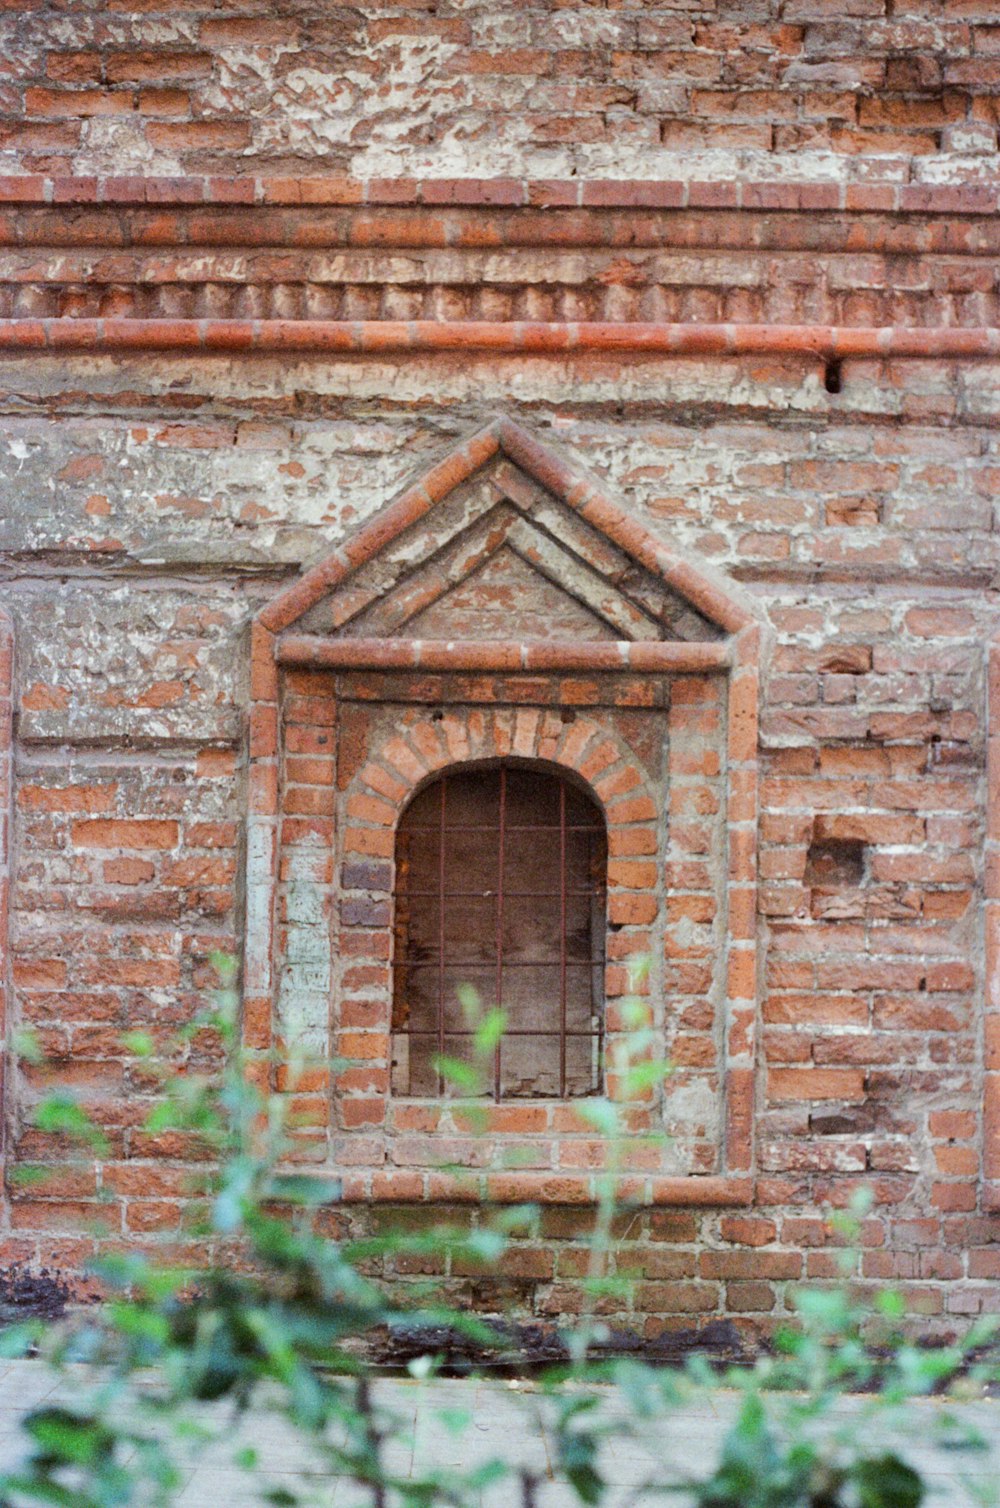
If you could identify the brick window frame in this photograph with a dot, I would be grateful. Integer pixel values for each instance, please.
(303, 678)
(989, 1173)
(6, 840)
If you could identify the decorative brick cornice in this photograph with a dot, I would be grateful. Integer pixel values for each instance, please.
(248, 264)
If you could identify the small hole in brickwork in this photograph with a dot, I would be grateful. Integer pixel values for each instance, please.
(437, 715)
(842, 1122)
(567, 715)
(837, 862)
(832, 377)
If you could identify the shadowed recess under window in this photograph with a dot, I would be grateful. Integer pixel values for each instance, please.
(500, 885)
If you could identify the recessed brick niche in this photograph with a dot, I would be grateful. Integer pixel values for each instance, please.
(504, 612)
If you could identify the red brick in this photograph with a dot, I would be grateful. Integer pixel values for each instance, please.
(110, 833)
(128, 871)
(204, 135)
(71, 798)
(815, 1084)
(156, 67)
(74, 67)
(959, 1125)
(77, 102)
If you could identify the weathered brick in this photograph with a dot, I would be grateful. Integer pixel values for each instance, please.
(125, 834)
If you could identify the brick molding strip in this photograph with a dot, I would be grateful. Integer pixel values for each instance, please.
(676, 656)
(390, 337)
(991, 1023)
(979, 198)
(529, 1185)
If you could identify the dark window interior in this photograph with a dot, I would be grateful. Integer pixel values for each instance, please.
(500, 886)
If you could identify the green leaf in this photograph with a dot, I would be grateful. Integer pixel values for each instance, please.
(600, 1114)
(463, 1075)
(300, 1188)
(17, 1340)
(66, 1436)
(60, 1115)
(139, 1322)
(588, 1483)
(887, 1482)
(646, 1075)
(468, 999)
(455, 1421)
(227, 1211)
(26, 1046)
(139, 1043)
(487, 1245)
(489, 1031)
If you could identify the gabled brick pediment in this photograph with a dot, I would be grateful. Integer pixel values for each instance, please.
(503, 608)
(505, 521)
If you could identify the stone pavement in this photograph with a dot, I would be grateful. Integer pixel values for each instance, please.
(504, 1420)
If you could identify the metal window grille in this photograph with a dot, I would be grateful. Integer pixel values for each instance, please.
(501, 888)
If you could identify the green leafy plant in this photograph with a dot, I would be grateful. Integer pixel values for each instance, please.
(275, 1329)
(794, 1442)
(176, 1358)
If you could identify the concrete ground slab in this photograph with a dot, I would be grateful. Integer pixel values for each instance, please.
(505, 1421)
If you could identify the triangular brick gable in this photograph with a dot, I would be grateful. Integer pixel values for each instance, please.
(504, 491)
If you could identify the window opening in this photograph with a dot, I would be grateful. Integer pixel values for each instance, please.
(501, 876)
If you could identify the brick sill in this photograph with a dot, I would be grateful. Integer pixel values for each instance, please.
(420, 1186)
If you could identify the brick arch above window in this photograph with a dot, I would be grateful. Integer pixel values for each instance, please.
(355, 664)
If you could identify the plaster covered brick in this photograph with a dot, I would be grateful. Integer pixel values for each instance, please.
(559, 91)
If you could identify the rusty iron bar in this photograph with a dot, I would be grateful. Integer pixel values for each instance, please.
(562, 939)
(500, 858)
(509, 963)
(512, 827)
(522, 1031)
(441, 929)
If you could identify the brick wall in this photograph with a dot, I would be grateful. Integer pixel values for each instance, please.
(844, 526)
(456, 89)
(738, 289)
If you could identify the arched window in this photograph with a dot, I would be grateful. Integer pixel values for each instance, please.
(500, 886)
